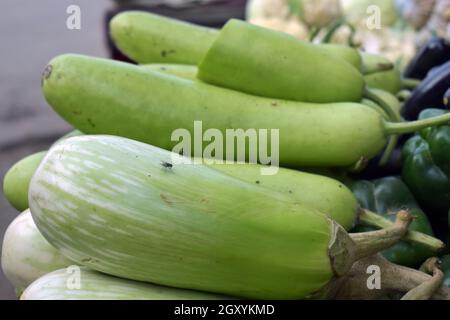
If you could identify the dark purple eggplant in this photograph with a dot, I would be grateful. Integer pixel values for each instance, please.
(375, 171)
(429, 93)
(447, 98)
(435, 53)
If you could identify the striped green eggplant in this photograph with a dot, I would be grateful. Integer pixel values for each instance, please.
(26, 255)
(320, 192)
(334, 198)
(136, 211)
(87, 284)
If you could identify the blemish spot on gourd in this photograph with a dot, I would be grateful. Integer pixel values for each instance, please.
(166, 199)
(274, 104)
(165, 53)
(91, 122)
(166, 165)
(258, 182)
(46, 73)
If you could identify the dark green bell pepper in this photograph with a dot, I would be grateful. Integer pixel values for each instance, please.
(386, 196)
(426, 164)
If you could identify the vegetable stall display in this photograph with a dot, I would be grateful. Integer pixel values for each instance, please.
(140, 221)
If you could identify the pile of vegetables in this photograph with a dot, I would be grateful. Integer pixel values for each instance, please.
(405, 25)
(110, 199)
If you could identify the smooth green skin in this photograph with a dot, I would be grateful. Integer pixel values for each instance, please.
(26, 255)
(376, 107)
(110, 204)
(386, 197)
(190, 72)
(17, 180)
(346, 53)
(18, 177)
(144, 36)
(426, 167)
(446, 268)
(98, 286)
(180, 70)
(389, 81)
(319, 192)
(372, 63)
(150, 38)
(272, 64)
(100, 96)
(390, 100)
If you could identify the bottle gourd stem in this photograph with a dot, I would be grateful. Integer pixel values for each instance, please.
(414, 126)
(372, 219)
(370, 243)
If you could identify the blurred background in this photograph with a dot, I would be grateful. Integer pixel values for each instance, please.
(32, 32)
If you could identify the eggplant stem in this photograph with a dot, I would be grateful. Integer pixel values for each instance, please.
(414, 126)
(372, 219)
(394, 279)
(427, 289)
(370, 243)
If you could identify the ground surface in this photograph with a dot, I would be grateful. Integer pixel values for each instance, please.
(31, 33)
